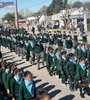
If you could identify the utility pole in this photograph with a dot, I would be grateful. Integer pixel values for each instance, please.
(16, 15)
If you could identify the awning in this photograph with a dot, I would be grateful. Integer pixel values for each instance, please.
(74, 17)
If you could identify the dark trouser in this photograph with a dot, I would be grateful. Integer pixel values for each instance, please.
(72, 83)
(9, 97)
(64, 78)
(11, 47)
(81, 91)
(16, 97)
(4, 90)
(49, 69)
(1, 87)
(27, 55)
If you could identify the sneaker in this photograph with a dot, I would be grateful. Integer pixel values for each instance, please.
(33, 63)
(38, 68)
(82, 95)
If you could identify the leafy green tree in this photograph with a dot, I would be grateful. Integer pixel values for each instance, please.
(77, 4)
(56, 6)
(87, 5)
(43, 10)
(10, 17)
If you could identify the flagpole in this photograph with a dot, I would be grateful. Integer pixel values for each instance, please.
(16, 15)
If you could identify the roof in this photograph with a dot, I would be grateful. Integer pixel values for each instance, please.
(31, 18)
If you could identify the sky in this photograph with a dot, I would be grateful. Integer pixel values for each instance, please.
(32, 5)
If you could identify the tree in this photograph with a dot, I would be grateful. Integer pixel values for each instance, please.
(43, 10)
(10, 17)
(56, 6)
(66, 17)
(77, 4)
(37, 15)
(87, 5)
(25, 13)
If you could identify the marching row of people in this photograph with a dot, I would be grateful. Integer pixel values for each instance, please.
(71, 67)
(18, 85)
(33, 46)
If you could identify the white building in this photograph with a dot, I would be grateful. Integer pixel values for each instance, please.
(76, 15)
(45, 20)
(32, 20)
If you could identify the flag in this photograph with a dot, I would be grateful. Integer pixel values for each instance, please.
(6, 4)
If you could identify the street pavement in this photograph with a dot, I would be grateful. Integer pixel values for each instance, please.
(42, 79)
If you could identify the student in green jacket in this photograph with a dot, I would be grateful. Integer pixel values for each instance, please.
(21, 45)
(88, 60)
(39, 52)
(11, 41)
(69, 34)
(31, 49)
(63, 62)
(18, 47)
(88, 55)
(27, 90)
(64, 35)
(15, 84)
(55, 33)
(45, 40)
(57, 66)
(55, 37)
(15, 44)
(80, 74)
(9, 78)
(60, 42)
(4, 77)
(49, 60)
(51, 40)
(26, 47)
(2, 70)
(84, 39)
(83, 51)
(71, 71)
(69, 44)
(78, 51)
(75, 38)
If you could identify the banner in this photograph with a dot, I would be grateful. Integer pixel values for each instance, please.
(5, 4)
